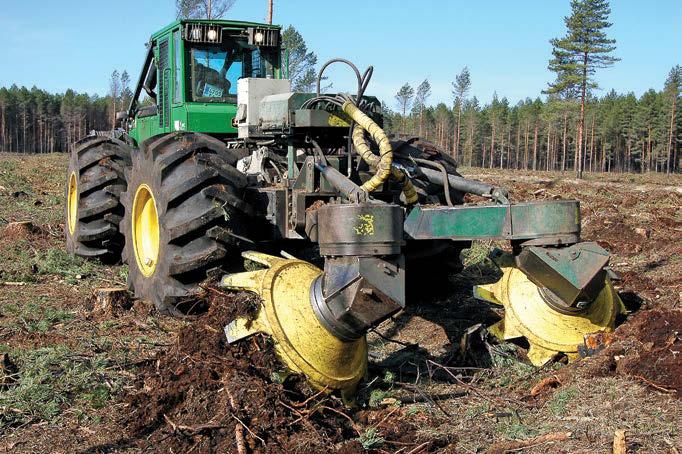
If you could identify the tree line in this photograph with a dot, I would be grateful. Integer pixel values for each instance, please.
(36, 121)
(622, 132)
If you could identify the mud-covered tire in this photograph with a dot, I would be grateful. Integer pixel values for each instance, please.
(202, 216)
(97, 164)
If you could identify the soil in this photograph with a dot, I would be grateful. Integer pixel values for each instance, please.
(183, 389)
(648, 348)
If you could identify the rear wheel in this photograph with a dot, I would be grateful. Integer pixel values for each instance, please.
(95, 181)
(184, 215)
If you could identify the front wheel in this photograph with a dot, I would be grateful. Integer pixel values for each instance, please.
(184, 215)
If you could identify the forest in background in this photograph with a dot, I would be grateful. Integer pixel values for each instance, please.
(623, 132)
(567, 128)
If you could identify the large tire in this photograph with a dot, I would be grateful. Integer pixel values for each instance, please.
(201, 214)
(95, 181)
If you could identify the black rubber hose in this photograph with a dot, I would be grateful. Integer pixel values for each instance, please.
(465, 185)
(339, 60)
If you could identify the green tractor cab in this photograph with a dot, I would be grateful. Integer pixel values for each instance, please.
(190, 76)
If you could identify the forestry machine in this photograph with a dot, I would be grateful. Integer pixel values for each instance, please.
(218, 164)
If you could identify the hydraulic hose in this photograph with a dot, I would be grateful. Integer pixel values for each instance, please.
(375, 161)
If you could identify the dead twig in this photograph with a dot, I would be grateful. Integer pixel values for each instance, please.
(305, 402)
(239, 439)
(385, 417)
(340, 413)
(654, 385)
(192, 430)
(388, 339)
(425, 396)
(249, 430)
(419, 448)
(474, 390)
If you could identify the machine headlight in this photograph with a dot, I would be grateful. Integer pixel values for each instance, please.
(196, 34)
(258, 38)
(212, 35)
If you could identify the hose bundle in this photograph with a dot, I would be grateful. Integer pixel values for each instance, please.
(361, 122)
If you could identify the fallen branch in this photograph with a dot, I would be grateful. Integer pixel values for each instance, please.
(620, 446)
(192, 430)
(517, 445)
(239, 439)
(249, 430)
(654, 385)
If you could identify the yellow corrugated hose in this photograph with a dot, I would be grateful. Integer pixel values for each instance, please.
(383, 162)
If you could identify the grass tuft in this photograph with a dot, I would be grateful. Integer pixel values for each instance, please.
(371, 439)
(52, 379)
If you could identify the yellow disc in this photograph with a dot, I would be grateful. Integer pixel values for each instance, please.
(72, 203)
(303, 344)
(145, 230)
(547, 331)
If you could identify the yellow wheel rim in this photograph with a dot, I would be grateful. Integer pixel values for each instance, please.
(145, 230)
(72, 203)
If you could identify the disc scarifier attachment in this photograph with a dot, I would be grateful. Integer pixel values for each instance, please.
(548, 331)
(302, 343)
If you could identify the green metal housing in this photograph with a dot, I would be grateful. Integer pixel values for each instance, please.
(170, 54)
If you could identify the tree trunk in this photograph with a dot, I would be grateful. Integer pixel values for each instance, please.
(565, 142)
(518, 146)
(549, 136)
(592, 146)
(670, 136)
(525, 148)
(535, 147)
(492, 147)
(457, 132)
(581, 122)
(270, 11)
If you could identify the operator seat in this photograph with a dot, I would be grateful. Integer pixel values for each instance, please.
(206, 75)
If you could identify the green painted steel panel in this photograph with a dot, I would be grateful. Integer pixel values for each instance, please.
(458, 222)
(515, 222)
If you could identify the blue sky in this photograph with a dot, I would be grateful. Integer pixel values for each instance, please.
(77, 43)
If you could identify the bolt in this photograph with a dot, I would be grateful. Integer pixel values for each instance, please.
(148, 262)
(582, 305)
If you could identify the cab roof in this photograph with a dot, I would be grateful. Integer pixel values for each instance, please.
(235, 24)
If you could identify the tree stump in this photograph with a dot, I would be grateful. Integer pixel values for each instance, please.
(112, 300)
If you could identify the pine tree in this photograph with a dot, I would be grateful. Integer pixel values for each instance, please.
(423, 93)
(673, 84)
(301, 61)
(404, 100)
(115, 93)
(577, 56)
(460, 87)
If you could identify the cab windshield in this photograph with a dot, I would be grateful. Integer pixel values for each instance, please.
(215, 70)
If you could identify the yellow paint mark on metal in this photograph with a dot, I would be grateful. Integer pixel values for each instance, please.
(548, 332)
(301, 342)
(72, 203)
(366, 225)
(335, 120)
